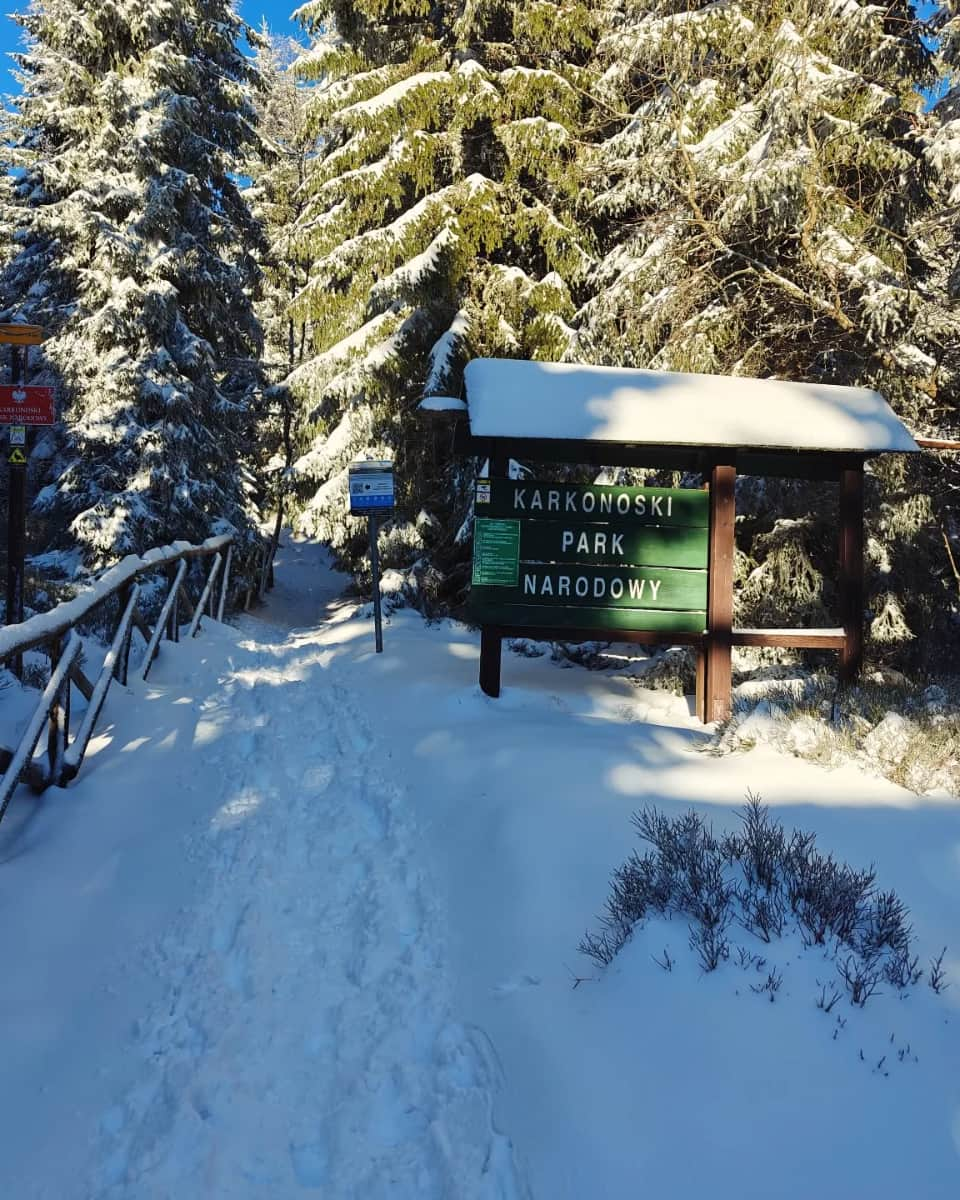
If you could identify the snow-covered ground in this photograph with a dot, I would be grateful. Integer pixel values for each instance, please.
(307, 923)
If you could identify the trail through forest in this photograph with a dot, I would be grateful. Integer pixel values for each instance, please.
(307, 924)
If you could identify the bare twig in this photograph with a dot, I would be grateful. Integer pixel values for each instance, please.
(938, 979)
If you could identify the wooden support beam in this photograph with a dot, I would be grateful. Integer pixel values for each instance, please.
(792, 639)
(719, 668)
(84, 686)
(184, 599)
(641, 637)
(491, 637)
(851, 572)
(145, 630)
(701, 685)
(490, 655)
(700, 694)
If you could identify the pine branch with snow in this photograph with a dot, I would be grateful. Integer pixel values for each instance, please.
(768, 194)
(439, 224)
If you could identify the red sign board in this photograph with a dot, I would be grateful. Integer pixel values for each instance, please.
(26, 405)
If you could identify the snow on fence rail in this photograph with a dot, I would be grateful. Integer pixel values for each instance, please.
(55, 632)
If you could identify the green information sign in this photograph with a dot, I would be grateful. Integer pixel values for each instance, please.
(496, 553)
(551, 555)
(594, 502)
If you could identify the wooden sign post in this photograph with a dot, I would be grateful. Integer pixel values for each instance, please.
(718, 659)
(586, 563)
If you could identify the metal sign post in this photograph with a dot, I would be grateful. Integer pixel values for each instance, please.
(375, 571)
(16, 523)
(371, 495)
(20, 406)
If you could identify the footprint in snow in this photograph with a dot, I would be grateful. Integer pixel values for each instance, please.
(309, 1164)
(516, 985)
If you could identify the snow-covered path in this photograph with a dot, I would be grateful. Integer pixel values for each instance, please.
(295, 1032)
(306, 1042)
(307, 924)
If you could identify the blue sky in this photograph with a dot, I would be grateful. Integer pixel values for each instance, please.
(277, 13)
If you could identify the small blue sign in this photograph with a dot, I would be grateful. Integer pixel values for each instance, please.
(371, 487)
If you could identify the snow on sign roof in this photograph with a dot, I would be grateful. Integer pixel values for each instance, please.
(510, 398)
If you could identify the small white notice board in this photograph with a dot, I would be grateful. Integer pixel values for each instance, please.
(371, 487)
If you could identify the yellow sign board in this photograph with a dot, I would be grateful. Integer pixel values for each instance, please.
(17, 457)
(21, 335)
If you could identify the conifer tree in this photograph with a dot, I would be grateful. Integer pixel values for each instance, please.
(134, 250)
(278, 171)
(766, 201)
(440, 224)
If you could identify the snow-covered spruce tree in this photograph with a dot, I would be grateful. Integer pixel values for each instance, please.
(276, 196)
(134, 249)
(763, 194)
(439, 226)
(944, 234)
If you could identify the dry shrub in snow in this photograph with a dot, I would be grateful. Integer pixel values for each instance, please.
(766, 881)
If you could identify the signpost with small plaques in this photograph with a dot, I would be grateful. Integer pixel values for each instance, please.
(23, 404)
(21, 407)
(372, 496)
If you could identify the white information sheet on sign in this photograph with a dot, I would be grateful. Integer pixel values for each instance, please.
(371, 487)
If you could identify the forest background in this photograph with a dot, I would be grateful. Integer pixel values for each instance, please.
(727, 187)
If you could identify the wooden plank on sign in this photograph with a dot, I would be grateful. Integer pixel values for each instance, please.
(538, 616)
(21, 335)
(613, 542)
(549, 585)
(793, 639)
(595, 502)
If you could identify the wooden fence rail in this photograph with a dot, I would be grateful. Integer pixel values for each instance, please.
(55, 633)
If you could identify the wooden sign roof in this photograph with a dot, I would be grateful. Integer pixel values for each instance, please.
(513, 399)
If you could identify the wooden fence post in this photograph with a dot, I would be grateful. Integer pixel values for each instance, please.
(225, 582)
(60, 640)
(719, 667)
(58, 727)
(123, 657)
(173, 620)
(205, 596)
(162, 618)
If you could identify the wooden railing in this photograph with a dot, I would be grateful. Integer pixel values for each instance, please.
(55, 633)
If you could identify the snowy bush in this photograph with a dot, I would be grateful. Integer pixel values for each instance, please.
(765, 881)
(888, 724)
